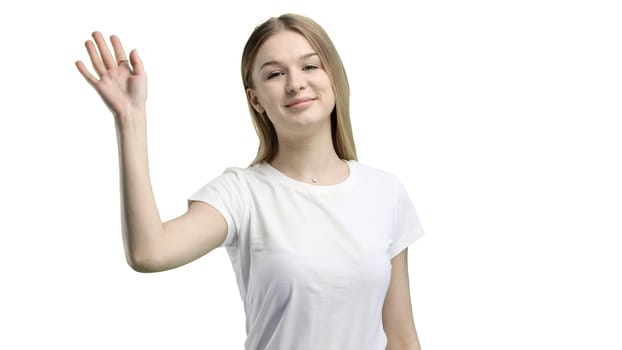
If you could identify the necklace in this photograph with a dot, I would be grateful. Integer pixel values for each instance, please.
(314, 179)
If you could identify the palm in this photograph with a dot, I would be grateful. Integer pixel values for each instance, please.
(122, 91)
(123, 88)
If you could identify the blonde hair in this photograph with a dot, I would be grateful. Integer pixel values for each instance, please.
(341, 128)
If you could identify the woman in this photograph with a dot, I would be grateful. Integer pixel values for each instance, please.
(317, 240)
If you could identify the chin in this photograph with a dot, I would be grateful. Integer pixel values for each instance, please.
(309, 119)
(301, 126)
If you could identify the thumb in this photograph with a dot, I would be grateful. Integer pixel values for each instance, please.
(137, 63)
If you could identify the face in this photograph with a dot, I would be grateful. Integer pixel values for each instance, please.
(291, 85)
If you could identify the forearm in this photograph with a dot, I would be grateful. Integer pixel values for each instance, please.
(140, 220)
(412, 346)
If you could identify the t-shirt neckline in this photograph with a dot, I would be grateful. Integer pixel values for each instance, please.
(307, 187)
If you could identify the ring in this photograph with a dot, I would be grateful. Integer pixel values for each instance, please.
(123, 61)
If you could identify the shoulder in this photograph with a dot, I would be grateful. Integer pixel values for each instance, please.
(240, 173)
(381, 181)
(246, 174)
(241, 177)
(370, 174)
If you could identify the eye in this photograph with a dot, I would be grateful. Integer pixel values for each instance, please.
(309, 67)
(274, 74)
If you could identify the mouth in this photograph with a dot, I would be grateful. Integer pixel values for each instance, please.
(299, 102)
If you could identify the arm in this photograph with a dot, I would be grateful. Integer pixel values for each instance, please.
(150, 245)
(397, 316)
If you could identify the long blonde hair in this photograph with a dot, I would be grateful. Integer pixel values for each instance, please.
(341, 128)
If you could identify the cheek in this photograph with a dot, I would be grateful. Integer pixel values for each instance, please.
(329, 93)
(325, 83)
(267, 97)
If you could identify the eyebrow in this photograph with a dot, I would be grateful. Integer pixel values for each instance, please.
(302, 58)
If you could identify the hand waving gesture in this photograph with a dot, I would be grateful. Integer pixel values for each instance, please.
(122, 84)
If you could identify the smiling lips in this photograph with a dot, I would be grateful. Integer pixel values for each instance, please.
(299, 102)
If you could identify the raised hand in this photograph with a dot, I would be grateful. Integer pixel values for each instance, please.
(122, 84)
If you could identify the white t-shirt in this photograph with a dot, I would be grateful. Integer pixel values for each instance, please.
(312, 262)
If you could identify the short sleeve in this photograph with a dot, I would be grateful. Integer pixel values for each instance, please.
(225, 193)
(407, 227)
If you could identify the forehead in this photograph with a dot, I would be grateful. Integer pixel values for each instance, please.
(284, 46)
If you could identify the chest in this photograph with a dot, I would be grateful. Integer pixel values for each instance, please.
(345, 227)
(321, 242)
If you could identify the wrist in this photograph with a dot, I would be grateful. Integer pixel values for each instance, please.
(131, 122)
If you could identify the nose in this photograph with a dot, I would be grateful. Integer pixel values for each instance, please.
(295, 83)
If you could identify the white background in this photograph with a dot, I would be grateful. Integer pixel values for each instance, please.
(500, 117)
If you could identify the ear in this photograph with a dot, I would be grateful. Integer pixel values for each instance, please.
(252, 98)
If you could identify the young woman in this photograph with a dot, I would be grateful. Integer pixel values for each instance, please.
(318, 241)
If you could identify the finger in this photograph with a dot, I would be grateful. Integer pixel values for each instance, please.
(95, 60)
(103, 50)
(85, 73)
(119, 52)
(137, 63)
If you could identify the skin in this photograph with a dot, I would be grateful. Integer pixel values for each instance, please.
(286, 69)
(150, 244)
(397, 316)
(292, 73)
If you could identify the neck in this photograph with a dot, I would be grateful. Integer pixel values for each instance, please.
(309, 157)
